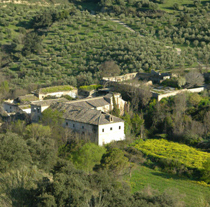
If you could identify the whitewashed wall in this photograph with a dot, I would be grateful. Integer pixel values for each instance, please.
(106, 135)
(72, 93)
(28, 110)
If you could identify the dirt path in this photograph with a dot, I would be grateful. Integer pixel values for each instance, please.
(122, 23)
(131, 30)
(44, 3)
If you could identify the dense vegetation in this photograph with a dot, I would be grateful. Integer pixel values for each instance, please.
(38, 168)
(66, 45)
(182, 153)
(184, 118)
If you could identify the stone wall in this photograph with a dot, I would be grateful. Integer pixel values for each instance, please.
(88, 131)
(121, 78)
(165, 95)
(72, 93)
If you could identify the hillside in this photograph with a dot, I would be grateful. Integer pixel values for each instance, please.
(194, 194)
(71, 48)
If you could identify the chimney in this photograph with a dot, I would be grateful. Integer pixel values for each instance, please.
(110, 118)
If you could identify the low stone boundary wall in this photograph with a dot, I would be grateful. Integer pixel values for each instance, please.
(165, 95)
(120, 78)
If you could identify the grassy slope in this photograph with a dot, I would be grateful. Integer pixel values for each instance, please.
(75, 45)
(194, 193)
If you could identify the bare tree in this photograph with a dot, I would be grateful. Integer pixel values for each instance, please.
(194, 78)
(139, 94)
(180, 103)
(206, 121)
(109, 69)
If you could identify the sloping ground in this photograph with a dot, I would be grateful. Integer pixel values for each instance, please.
(195, 194)
(161, 148)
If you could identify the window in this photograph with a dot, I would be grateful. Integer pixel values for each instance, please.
(38, 110)
(67, 123)
(82, 127)
(73, 125)
(110, 128)
(119, 127)
(102, 130)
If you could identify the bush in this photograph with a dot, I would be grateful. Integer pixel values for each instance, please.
(185, 155)
(90, 87)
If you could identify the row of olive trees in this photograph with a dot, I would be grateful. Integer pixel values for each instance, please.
(182, 28)
(72, 51)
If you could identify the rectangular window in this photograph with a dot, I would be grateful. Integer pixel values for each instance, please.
(67, 123)
(119, 127)
(102, 130)
(82, 127)
(38, 110)
(73, 125)
(110, 128)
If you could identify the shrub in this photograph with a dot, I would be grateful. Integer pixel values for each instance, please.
(90, 87)
(188, 156)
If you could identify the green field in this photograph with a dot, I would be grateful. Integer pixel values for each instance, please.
(194, 193)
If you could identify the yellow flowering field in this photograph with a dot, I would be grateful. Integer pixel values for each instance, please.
(162, 148)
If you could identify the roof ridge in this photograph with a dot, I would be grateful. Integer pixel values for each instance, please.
(86, 99)
(90, 104)
(99, 119)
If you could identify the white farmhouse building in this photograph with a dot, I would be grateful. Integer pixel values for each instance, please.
(100, 127)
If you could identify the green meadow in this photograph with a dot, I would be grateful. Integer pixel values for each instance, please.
(194, 194)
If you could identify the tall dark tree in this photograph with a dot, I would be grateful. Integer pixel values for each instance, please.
(116, 110)
(32, 44)
(42, 20)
